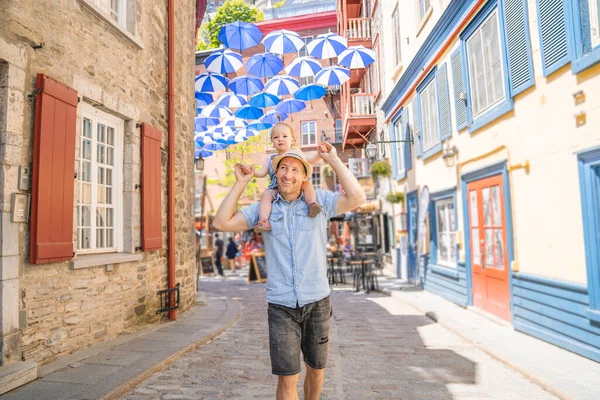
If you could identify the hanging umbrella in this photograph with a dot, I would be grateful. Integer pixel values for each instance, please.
(258, 125)
(221, 131)
(203, 99)
(357, 57)
(223, 61)
(235, 138)
(249, 112)
(290, 106)
(303, 67)
(327, 45)
(281, 85)
(247, 132)
(216, 111)
(230, 100)
(215, 146)
(198, 142)
(234, 122)
(204, 121)
(264, 64)
(240, 35)
(332, 76)
(202, 153)
(273, 117)
(310, 92)
(246, 85)
(283, 42)
(263, 100)
(210, 82)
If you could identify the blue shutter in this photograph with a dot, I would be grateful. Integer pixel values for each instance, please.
(416, 125)
(406, 136)
(393, 151)
(520, 65)
(460, 108)
(553, 35)
(444, 101)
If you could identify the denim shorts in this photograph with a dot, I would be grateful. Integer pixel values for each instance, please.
(292, 330)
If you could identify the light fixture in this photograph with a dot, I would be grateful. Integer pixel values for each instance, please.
(200, 164)
(449, 156)
(371, 151)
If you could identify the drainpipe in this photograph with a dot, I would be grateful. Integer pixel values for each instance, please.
(171, 158)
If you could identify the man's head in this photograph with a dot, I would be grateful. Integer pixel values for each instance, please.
(291, 169)
(216, 235)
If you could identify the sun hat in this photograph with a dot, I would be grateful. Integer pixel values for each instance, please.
(297, 154)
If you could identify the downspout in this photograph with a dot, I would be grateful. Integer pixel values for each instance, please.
(171, 158)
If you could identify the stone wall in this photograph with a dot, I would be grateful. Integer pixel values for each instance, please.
(53, 309)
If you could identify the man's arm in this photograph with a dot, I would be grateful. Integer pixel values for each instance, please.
(227, 219)
(354, 194)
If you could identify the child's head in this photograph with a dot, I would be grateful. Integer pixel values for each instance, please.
(282, 137)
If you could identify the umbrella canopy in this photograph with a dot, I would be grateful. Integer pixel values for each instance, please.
(240, 35)
(203, 99)
(273, 117)
(230, 100)
(235, 138)
(304, 66)
(264, 64)
(310, 92)
(263, 100)
(282, 42)
(204, 121)
(357, 57)
(221, 131)
(281, 85)
(247, 132)
(246, 85)
(223, 61)
(258, 126)
(249, 112)
(216, 111)
(210, 82)
(216, 146)
(234, 122)
(327, 45)
(290, 106)
(202, 153)
(331, 76)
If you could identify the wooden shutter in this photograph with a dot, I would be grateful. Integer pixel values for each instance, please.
(460, 107)
(553, 35)
(406, 136)
(444, 102)
(151, 188)
(417, 125)
(52, 190)
(520, 65)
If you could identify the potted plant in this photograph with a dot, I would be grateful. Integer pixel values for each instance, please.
(381, 168)
(395, 197)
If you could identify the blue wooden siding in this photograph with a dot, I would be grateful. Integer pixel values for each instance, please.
(445, 282)
(555, 311)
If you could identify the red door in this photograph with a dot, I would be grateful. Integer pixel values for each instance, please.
(489, 257)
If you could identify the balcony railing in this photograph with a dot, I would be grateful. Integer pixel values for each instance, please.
(359, 28)
(333, 136)
(362, 104)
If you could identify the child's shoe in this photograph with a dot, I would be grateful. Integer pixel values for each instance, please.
(262, 225)
(314, 209)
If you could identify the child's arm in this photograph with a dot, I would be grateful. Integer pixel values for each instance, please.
(261, 172)
(314, 159)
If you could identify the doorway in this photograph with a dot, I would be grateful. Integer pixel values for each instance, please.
(412, 213)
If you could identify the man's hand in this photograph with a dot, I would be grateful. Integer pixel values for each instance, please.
(327, 152)
(243, 173)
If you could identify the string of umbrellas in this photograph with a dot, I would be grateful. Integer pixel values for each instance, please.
(269, 92)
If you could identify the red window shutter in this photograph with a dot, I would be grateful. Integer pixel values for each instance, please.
(151, 188)
(53, 172)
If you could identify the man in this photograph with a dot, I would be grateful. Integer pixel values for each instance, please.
(299, 310)
(218, 254)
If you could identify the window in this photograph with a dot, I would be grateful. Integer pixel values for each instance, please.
(429, 117)
(585, 25)
(594, 25)
(303, 52)
(316, 177)
(99, 169)
(485, 66)
(307, 80)
(397, 36)
(339, 133)
(398, 148)
(309, 133)
(373, 74)
(446, 232)
(424, 6)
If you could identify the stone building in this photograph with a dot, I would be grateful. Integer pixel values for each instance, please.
(84, 93)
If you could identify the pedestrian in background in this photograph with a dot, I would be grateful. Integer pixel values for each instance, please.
(298, 293)
(230, 253)
(218, 254)
(240, 246)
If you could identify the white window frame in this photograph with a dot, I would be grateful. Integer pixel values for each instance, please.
(423, 12)
(594, 7)
(399, 147)
(476, 109)
(316, 177)
(304, 51)
(306, 136)
(447, 235)
(117, 13)
(307, 80)
(397, 35)
(96, 116)
(430, 116)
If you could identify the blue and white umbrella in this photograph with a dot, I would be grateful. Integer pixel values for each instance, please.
(282, 42)
(203, 99)
(230, 100)
(202, 153)
(310, 92)
(264, 64)
(281, 85)
(221, 131)
(327, 45)
(204, 121)
(234, 122)
(223, 61)
(290, 106)
(258, 126)
(246, 85)
(240, 35)
(216, 146)
(356, 57)
(235, 138)
(264, 100)
(247, 132)
(216, 111)
(249, 112)
(332, 76)
(303, 67)
(273, 117)
(210, 82)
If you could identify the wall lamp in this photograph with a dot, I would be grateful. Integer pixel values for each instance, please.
(449, 156)
(199, 164)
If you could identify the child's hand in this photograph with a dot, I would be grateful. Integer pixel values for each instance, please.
(243, 173)
(326, 151)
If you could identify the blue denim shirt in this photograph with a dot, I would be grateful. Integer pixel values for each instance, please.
(295, 249)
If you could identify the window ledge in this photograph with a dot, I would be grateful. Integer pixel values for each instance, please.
(95, 260)
(132, 38)
(397, 72)
(593, 315)
(424, 20)
(586, 61)
(432, 151)
(491, 115)
(442, 270)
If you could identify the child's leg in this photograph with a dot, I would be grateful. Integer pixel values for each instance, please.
(310, 196)
(264, 210)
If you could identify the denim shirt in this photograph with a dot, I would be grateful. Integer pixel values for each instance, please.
(295, 249)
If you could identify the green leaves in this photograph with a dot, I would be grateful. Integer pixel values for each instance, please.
(230, 11)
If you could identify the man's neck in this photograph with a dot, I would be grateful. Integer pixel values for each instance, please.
(290, 197)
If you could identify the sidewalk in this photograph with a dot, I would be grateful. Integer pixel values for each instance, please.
(560, 372)
(109, 369)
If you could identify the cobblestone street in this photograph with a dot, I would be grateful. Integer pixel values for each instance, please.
(380, 349)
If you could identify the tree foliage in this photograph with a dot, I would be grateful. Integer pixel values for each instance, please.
(230, 11)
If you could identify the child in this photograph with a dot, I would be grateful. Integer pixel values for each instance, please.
(282, 138)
